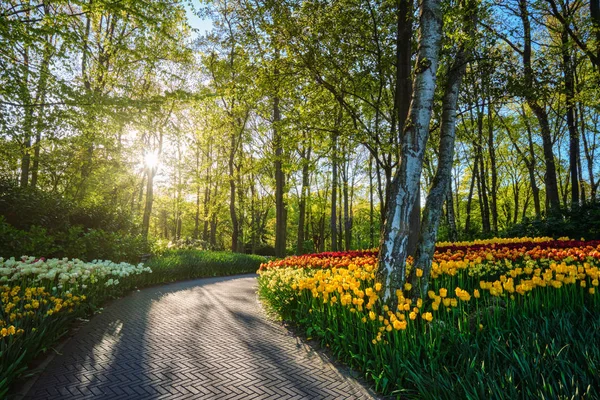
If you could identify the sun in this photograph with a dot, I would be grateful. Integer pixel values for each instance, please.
(151, 159)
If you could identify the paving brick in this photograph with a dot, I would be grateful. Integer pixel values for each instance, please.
(201, 339)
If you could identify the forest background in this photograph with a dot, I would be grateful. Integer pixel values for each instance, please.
(273, 128)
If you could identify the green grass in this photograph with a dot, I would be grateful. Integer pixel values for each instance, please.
(177, 265)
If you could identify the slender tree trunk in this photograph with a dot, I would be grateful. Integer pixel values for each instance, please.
(207, 195)
(322, 233)
(595, 14)
(241, 210)
(453, 234)
(27, 120)
(531, 167)
(254, 216)
(340, 230)
(494, 171)
(470, 197)
(280, 206)
(589, 159)
(41, 98)
(403, 194)
(516, 200)
(149, 202)
(457, 202)
(525, 207)
(347, 219)
(334, 185)
(371, 205)
(305, 156)
(197, 216)
(539, 111)
(482, 177)
(151, 172)
(571, 124)
(232, 193)
(213, 231)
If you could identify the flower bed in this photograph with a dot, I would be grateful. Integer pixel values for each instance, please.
(502, 319)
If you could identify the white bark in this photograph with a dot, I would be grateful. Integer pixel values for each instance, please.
(439, 188)
(394, 241)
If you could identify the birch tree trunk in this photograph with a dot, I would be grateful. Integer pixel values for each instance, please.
(440, 185)
(394, 240)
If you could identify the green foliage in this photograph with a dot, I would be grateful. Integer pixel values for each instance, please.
(76, 242)
(38, 223)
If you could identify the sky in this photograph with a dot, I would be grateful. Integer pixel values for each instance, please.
(196, 22)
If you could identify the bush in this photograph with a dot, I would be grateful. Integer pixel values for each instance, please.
(36, 222)
(75, 242)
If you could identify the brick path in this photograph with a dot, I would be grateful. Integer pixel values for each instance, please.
(202, 339)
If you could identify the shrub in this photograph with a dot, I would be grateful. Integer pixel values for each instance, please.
(36, 222)
(75, 242)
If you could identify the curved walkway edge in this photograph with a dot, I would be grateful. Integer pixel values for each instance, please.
(200, 339)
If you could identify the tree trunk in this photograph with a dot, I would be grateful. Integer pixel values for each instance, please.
(595, 14)
(403, 94)
(207, 196)
(334, 185)
(151, 172)
(531, 167)
(280, 206)
(305, 156)
(340, 230)
(452, 233)
(241, 209)
(470, 197)
(197, 216)
(482, 177)
(516, 200)
(539, 111)
(371, 205)
(403, 194)
(571, 124)
(232, 192)
(494, 171)
(347, 219)
(441, 181)
(149, 202)
(27, 121)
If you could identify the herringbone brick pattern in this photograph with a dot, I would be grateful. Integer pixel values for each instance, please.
(203, 339)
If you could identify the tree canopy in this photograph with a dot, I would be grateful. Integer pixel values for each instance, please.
(294, 126)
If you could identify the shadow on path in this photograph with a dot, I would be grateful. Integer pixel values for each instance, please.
(201, 339)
